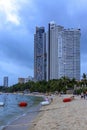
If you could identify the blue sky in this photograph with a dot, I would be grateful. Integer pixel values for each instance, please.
(18, 19)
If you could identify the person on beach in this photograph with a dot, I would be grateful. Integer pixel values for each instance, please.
(86, 94)
(47, 99)
(51, 98)
(82, 94)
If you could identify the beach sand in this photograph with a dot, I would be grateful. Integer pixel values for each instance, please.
(62, 116)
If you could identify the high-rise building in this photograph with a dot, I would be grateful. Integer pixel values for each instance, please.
(5, 82)
(63, 52)
(40, 54)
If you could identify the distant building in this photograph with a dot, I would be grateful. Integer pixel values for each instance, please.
(30, 78)
(5, 81)
(25, 80)
(21, 80)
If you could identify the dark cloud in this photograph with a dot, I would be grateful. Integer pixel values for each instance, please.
(17, 47)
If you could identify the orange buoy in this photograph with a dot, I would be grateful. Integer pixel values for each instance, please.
(66, 99)
(23, 104)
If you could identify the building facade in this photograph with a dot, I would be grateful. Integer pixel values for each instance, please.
(21, 80)
(29, 78)
(40, 54)
(63, 52)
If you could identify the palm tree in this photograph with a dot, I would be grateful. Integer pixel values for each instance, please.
(84, 79)
(84, 76)
(65, 80)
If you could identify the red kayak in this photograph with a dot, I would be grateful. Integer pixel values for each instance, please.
(22, 104)
(67, 100)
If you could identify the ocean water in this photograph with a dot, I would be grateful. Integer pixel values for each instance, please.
(11, 110)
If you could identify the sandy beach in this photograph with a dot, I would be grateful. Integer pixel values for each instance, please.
(62, 116)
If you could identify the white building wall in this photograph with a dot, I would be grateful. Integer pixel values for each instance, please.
(63, 49)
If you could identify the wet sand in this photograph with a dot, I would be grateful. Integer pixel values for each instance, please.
(22, 123)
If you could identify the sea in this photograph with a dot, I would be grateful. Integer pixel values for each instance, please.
(11, 111)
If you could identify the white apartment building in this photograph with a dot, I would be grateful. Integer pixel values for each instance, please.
(63, 52)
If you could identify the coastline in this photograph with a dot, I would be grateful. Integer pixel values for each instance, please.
(23, 122)
(62, 116)
(58, 115)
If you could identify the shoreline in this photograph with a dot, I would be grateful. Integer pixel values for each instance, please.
(62, 116)
(27, 121)
(58, 115)
(23, 122)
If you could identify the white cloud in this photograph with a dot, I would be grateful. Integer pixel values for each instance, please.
(9, 10)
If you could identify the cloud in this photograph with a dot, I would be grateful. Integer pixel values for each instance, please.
(16, 69)
(10, 11)
(9, 8)
(17, 47)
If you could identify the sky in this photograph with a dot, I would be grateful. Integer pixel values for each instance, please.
(18, 20)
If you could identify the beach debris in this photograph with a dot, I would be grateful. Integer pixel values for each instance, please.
(23, 104)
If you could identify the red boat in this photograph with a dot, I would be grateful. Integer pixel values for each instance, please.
(67, 100)
(23, 104)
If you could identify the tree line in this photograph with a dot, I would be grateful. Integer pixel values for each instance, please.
(56, 85)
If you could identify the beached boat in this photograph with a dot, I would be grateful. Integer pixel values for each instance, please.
(67, 100)
(1, 103)
(45, 103)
